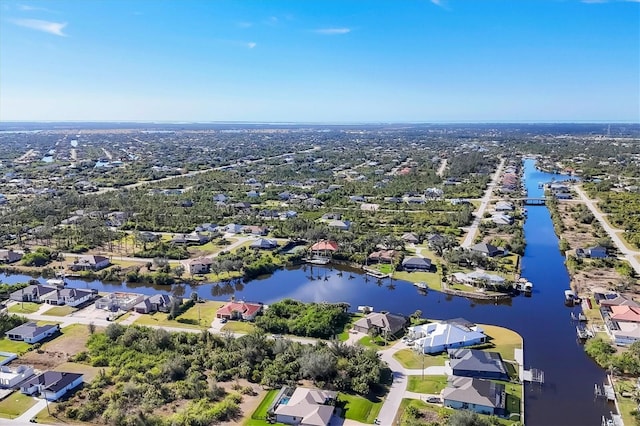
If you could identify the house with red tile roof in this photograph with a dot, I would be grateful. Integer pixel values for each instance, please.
(324, 246)
(239, 310)
(625, 314)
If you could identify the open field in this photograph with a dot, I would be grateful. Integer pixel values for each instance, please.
(239, 327)
(412, 359)
(432, 279)
(60, 311)
(200, 315)
(58, 350)
(260, 414)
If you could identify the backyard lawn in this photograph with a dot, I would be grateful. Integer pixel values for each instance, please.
(239, 327)
(377, 342)
(15, 404)
(200, 315)
(258, 418)
(60, 311)
(430, 384)
(359, 408)
(503, 340)
(411, 359)
(432, 279)
(13, 346)
(88, 371)
(24, 308)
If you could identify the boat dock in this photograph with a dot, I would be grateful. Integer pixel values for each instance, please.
(375, 273)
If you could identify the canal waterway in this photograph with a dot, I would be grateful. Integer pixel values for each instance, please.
(565, 399)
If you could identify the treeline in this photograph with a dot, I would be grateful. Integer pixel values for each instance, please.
(606, 355)
(148, 369)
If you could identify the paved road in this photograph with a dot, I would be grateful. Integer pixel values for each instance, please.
(471, 233)
(617, 240)
(396, 391)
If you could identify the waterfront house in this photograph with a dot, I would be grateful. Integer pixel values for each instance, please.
(440, 336)
(264, 244)
(416, 264)
(383, 256)
(481, 396)
(239, 310)
(51, 385)
(201, 265)
(625, 314)
(488, 250)
(477, 364)
(384, 322)
(504, 206)
(324, 246)
(9, 256)
(12, 376)
(502, 219)
(304, 406)
(31, 293)
(119, 301)
(90, 263)
(156, 303)
(618, 300)
(31, 332)
(68, 296)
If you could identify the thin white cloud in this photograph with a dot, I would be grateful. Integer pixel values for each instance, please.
(251, 44)
(244, 24)
(609, 1)
(27, 8)
(333, 31)
(55, 28)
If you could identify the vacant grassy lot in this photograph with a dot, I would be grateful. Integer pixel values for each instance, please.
(199, 315)
(258, 417)
(411, 359)
(432, 279)
(15, 404)
(24, 308)
(504, 341)
(73, 367)
(12, 346)
(430, 384)
(60, 311)
(359, 408)
(239, 327)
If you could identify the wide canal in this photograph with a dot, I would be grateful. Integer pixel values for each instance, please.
(566, 398)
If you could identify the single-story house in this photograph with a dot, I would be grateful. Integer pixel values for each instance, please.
(435, 239)
(201, 265)
(410, 237)
(504, 206)
(304, 407)
(478, 276)
(342, 225)
(155, 303)
(119, 301)
(383, 256)
(52, 385)
(90, 263)
(488, 249)
(618, 301)
(324, 246)
(232, 228)
(31, 293)
(384, 322)
(11, 377)
(502, 219)
(597, 252)
(481, 396)
(416, 264)
(9, 256)
(192, 238)
(239, 310)
(255, 230)
(68, 296)
(264, 244)
(331, 216)
(436, 337)
(625, 314)
(626, 333)
(31, 332)
(148, 237)
(478, 364)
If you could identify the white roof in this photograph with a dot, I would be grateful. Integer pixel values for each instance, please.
(439, 334)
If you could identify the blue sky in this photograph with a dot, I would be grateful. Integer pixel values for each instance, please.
(320, 61)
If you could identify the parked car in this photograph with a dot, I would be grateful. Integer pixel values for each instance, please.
(434, 400)
(223, 320)
(277, 336)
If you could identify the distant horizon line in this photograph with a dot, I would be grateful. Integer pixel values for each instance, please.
(328, 122)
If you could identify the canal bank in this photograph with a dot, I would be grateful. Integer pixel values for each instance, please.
(542, 320)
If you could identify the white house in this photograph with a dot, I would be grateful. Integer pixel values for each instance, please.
(90, 263)
(52, 385)
(437, 337)
(32, 293)
(504, 206)
(68, 296)
(502, 219)
(31, 332)
(200, 265)
(10, 377)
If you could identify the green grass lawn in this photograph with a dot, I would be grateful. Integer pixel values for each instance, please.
(432, 279)
(359, 408)
(24, 308)
(434, 413)
(504, 341)
(377, 343)
(12, 346)
(239, 327)
(627, 405)
(411, 359)
(73, 367)
(15, 404)
(430, 384)
(60, 311)
(123, 317)
(258, 417)
(344, 336)
(206, 312)
(514, 397)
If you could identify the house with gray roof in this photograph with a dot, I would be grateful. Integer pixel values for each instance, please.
(9, 256)
(52, 385)
(385, 322)
(264, 244)
(31, 293)
(416, 264)
(69, 296)
(304, 407)
(487, 249)
(31, 332)
(481, 396)
(155, 303)
(477, 364)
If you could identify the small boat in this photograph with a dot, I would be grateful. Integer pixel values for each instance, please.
(56, 282)
(421, 285)
(570, 298)
(365, 309)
